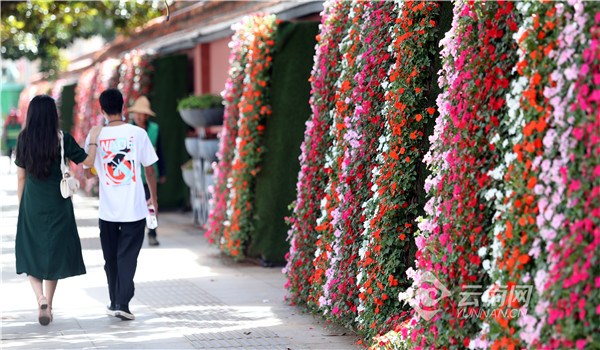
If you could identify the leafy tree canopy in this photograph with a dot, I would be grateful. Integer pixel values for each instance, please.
(39, 29)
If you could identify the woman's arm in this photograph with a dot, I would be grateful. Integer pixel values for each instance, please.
(21, 175)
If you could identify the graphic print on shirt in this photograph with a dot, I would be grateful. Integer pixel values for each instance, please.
(118, 160)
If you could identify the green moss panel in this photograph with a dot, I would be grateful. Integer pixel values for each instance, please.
(168, 86)
(284, 132)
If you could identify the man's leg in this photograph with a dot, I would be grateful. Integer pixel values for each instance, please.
(130, 243)
(109, 239)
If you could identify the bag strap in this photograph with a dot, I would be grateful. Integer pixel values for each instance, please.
(63, 166)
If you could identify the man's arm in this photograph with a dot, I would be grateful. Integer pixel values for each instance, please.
(88, 173)
(151, 181)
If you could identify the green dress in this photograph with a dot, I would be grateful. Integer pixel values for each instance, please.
(47, 245)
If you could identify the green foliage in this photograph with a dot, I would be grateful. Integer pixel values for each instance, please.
(39, 29)
(200, 102)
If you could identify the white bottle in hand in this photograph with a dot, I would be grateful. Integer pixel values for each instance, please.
(151, 220)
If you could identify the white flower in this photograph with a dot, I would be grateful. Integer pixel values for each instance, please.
(482, 251)
(495, 139)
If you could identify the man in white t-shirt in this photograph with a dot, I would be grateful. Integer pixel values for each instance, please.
(123, 149)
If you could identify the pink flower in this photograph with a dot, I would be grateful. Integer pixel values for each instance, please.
(578, 133)
(575, 185)
(580, 343)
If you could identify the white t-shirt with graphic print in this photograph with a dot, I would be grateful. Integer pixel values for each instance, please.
(123, 151)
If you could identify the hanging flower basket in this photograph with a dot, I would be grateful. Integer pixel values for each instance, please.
(202, 117)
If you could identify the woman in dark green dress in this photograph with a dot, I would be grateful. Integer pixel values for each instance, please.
(47, 246)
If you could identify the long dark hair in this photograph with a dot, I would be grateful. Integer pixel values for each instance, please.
(38, 142)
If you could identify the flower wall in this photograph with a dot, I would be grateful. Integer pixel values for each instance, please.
(134, 77)
(312, 183)
(479, 57)
(222, 169)
(509, 230)
(352, 230)
(231, 217)
(541, 236)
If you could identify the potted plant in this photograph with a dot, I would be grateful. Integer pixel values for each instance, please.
(201, 111)
(187, 171)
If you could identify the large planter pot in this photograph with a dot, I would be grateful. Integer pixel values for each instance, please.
(208, 149)
(191, 146)
(188, 177)
(202, 117)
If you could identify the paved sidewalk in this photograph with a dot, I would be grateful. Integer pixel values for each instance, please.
(187, 296)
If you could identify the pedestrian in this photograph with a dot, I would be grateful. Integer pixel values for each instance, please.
(124, 149)
(47, 245)
(12, 127)
(141, 113)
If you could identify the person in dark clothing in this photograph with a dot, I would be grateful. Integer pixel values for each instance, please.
(47, 245)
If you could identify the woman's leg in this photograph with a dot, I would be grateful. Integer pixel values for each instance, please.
(36, 284)
(50, 288)
(44, 314)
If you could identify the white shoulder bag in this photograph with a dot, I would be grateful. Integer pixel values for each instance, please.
(68, 185)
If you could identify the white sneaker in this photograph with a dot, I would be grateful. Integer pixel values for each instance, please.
(124, 315)
(111, 311)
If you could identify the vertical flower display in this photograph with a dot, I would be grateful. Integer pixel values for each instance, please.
(108, 75)
(303, 278)
(134, 78)
(571, 284)
(232, 96)
(56, 91)
(339, 287)
(387, 240)
(84, 101)
(530, 211)
(253, 109)
(479, 56)
(329, 205)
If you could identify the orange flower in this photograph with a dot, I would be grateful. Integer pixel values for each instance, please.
(430, 110)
